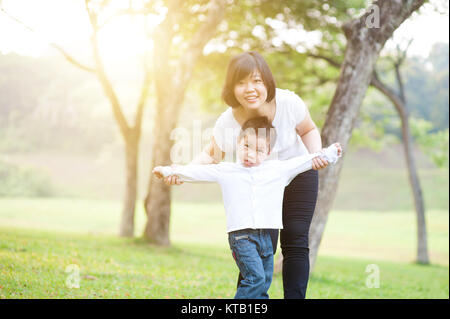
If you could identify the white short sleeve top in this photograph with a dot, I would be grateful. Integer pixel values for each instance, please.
(290, 111)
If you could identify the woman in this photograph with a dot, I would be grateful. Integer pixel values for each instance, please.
(250, 92)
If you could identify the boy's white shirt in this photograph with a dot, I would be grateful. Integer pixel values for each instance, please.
(252, 196)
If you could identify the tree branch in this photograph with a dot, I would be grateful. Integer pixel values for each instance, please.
(216, 12)
(331, 61)
(142, 99)
(388, 92)
(66, 55)
(106, 84)
(163, 35)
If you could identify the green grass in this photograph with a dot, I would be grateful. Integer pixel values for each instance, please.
(198, 264)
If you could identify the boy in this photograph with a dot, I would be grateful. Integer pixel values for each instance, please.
(252, 192)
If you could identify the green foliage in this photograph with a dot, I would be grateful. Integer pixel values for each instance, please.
(426, 91)
(426, 86)
(434, 144)
(23, 181)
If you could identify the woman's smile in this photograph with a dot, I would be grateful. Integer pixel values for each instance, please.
(252, 99)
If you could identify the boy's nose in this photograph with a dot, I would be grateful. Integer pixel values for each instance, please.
(251, 158)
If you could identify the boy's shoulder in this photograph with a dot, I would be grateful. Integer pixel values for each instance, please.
(228, 165)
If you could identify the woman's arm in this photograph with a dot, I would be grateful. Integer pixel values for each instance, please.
(310, 136)
(211, 154)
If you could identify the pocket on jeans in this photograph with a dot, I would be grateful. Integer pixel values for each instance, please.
(241, 237)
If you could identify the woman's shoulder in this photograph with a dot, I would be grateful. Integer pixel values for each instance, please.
(287, 96)
(291, 104)
(226, 118)
(225, 115)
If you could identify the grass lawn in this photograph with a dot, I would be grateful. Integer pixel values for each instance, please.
(40, 238)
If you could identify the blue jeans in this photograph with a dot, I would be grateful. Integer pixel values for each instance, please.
(253, 253)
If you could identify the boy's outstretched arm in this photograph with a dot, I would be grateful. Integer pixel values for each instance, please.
(299, 164)
(194, 173)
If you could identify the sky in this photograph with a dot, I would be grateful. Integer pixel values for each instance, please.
(66, 24)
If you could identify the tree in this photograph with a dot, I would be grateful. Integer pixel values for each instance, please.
(398, 99)
(172, 75)
(363, 47)
(129, 132)
(364, 38)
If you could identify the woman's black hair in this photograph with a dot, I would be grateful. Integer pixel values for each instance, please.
(240, 67)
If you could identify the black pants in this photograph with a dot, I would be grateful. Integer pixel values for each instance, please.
(299, 202)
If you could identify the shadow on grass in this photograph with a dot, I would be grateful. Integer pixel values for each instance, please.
(188, 250)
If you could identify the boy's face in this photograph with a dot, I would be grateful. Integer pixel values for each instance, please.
(253, 151)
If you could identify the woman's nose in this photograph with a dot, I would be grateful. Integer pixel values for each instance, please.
(249, 87)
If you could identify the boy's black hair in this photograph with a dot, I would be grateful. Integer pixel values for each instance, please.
(260, 126)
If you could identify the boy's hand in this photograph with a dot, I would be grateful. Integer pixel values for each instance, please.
(173, 179)
(169, 180)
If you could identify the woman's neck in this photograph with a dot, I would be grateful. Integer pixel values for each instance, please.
(241, 114)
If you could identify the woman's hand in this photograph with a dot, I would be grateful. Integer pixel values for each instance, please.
(319, 163)
(158, 172)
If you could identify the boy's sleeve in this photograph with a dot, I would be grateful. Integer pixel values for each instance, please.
(194, 173)
(299, 164)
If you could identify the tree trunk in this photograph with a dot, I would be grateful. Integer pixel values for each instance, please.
(399, 102)
(422, 245)
(363, 47)
(157, 201)
(171, 83)
(129, 204)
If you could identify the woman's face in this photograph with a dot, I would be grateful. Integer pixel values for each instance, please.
(251, 92)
